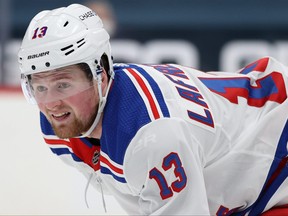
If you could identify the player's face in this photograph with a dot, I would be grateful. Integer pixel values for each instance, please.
(68, 99)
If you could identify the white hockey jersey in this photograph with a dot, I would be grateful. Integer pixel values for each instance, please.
(176, 140)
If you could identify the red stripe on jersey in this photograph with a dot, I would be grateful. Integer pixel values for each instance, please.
(80, 149)
(259, 65)
(57, 142)
(85, 153)
(146, 92)
(277, 172)
(107, 162)
(277, 211)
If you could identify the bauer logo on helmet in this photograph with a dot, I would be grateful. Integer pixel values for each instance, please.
(38, 55)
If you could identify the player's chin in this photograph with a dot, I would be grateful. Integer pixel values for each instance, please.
(69, 128)
(65, 133)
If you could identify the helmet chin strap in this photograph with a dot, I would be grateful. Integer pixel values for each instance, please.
(101, 105)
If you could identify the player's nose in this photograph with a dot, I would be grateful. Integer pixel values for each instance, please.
(51, 105)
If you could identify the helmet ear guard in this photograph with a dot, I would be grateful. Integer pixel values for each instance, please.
(98, 73)
(27, 89)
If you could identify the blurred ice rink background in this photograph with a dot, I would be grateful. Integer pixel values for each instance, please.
(205, 34)
(33, 181)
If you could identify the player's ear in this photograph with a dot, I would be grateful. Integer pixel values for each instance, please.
(105, 63)
(104, 75)
(104, 79)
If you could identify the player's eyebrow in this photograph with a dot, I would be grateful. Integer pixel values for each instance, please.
(64, 75)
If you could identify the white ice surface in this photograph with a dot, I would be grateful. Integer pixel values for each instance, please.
(32, 180)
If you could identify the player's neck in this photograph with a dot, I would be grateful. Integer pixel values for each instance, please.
(97, 132)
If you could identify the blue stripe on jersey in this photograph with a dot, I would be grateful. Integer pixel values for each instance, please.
(222, 85)
(123, 104)
(156, 90)
(86, 142)
(249, 68)
(268, 192)
(45, 125)
(119, 122)
(62, 151)
(48, 130)
(107, 171)
(278, 177)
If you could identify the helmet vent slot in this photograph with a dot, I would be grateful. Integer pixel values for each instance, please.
(65, 24)
(81, 42)
(67, 53)
(69, 49)
(66, 48)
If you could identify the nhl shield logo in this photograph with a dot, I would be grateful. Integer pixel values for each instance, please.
(95, 158)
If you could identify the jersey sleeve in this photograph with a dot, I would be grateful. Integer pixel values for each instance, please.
(164, 168)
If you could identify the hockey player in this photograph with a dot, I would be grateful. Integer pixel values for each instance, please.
(162, 139)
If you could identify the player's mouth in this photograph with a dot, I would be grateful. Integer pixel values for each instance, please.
(61, 116)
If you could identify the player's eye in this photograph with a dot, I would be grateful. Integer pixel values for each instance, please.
(41, 88)
(63, 85)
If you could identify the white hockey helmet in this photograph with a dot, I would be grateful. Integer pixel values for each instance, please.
(62, 37)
